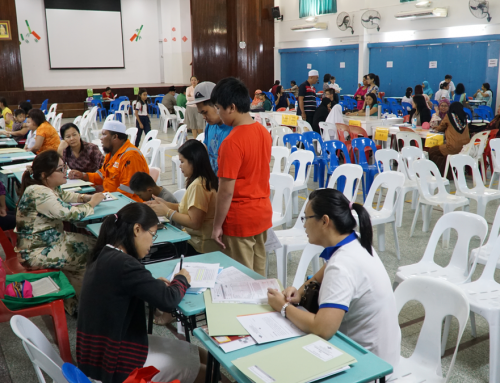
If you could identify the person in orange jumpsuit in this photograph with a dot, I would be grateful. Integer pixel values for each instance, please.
(122, 161)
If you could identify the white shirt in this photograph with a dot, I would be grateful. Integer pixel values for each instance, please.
(451, 88)
(142, 110)
(442, 93)
(408, 100)
(358, 283)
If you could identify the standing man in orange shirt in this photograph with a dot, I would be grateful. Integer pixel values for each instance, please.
(243, 212)
(122, 161)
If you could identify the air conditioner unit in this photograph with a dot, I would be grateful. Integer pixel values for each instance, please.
(423, 14)
(310, 27)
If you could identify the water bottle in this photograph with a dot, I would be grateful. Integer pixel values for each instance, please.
(2, 280)
(295, 105)
(379, 112)
(414, 123)
(367, 112)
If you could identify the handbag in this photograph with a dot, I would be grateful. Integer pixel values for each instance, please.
(144, 375)
(310, 298)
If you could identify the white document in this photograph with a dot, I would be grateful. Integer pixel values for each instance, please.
(237, 344)
(269, 327)
(261, 374)
(251, 292)
(44, 286)
(232, 274)
(322, 350)
(202, 274)
(15, 166)
(75, 183)
(272, 242)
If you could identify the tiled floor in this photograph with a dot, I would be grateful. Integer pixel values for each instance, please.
(472, 364)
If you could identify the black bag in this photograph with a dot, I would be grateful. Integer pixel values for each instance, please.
(310, 297)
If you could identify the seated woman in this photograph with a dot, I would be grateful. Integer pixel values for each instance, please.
(43, 206)
(419, 91)
(78, 154)
(355, 296)
(196, 211)
(407, 97)
(360, 94)
(461, 95)
(441, 112)
(257, 104)
(266, 103)
(281, 98)
(371, 101)
(321, 113)
(112, 336)
(484, 94)
(46, 137)
(420, 111)
(427, 89)
(456, 133)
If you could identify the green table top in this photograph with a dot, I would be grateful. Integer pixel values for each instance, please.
(193, 304)
(169, 234)
(7, 158)
(368, 368)
(111, 207)
(8, 142)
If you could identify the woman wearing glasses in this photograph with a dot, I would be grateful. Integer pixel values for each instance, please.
(43, 206)
(355, 296)
(112, 336)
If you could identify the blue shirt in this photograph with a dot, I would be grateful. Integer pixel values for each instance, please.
(214, 135)
(329, 251)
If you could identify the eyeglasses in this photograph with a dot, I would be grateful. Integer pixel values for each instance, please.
(305, 218)
(63, 169)
(154, 235)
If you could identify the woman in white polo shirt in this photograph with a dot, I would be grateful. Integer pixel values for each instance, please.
(355, 296)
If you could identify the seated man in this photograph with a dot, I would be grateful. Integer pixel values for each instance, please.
(169, 100)
(215, 131)
(122, 161)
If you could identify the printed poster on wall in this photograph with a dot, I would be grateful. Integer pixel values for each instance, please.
(492, 63)
(433, 64)
(390, 64)
(309, 66)
(342, 65)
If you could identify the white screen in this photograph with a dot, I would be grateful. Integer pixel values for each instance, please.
(84, 39)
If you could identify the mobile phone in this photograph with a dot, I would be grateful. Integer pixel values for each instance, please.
(160, 226)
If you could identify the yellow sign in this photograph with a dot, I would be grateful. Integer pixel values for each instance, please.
(355, 123)
(289, 119)
(434, 140)
(381, 134)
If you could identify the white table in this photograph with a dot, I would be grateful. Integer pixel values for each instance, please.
(370, 124)
(478, 102)
(277, 115)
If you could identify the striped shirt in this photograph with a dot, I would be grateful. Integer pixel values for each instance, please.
(309, 93)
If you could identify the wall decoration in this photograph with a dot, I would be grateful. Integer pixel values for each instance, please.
(433, 64)
(174, 39)
(26, 37)
(173, 29)
(137, 35)
(165, 40)
(184, 38)
(5, 32)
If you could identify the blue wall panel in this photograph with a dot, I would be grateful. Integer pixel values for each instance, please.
(324, 60)
(465, 60)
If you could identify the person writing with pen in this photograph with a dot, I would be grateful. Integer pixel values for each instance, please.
(355, 294)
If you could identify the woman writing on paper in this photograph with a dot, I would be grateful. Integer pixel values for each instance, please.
(355, 296)
(112, 336)
(196, 211)
(43, 206)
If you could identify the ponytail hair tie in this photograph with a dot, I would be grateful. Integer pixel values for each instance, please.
(116, 215)
(350, 205)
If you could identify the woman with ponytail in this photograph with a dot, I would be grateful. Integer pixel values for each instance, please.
(355, 296)
(43, 206)
(112, 338)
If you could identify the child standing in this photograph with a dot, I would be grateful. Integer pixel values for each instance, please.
(141, 114)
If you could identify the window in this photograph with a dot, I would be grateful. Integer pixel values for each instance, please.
(316, 7)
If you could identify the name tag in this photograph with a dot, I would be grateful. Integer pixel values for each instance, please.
(116, 165)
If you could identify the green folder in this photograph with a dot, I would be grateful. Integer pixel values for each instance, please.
(290, 362)
(221, 317)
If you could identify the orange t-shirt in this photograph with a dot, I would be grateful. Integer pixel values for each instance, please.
(51, 137)
(244, 156)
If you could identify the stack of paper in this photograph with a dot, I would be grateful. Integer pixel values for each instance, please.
(202, 274)
(44, 286)
(75, 183)
(231, 343)
(301, 360)
(269, 327)
(15, 168)
(249, 291)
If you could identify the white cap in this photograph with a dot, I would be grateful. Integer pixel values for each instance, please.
(202, 92)
(313, 72)
(114, 126)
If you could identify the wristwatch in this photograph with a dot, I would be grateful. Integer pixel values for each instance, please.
(283, 309)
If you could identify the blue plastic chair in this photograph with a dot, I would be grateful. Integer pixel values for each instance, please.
(491, 115)
(293, 139)
(396, 108)
(358, 147)
(469, 113)
(457, 97)
(482, 114)
(386, 108)
(100, 109)
(153, 107)
(331, 148)
(435, 102)
(73, 374)
(320, 161)
(270, 96)
(292, 98)
(113, 107)
(405, 106)
(44, 106)
(392, 101)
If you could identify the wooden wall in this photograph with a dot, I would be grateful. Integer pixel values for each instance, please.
(218, 26)
(11, 73)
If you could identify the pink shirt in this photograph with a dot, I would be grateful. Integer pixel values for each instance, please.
(190, 96)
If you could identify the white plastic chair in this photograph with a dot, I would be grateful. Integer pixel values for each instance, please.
(57, 122)
(484, 299)
(424, 169)
(150, 150)
(110, 117)
(440, 299)
(328, 131)
(387, 160)
(282, 184)
(123, 109)
(178, 111)
(353, 174)
(178, 194)
(166, 117)
(475, 149)
(482, 253)
(91, 130)
(303, 126)
(150, 136)
(77, 120)
(408, 138)
(50, 117)
(468, 226)
(201, 137)
(134, 119)
(305, 158)
(40, 351)
(179, 139)
(310, 254)
(394, 182)
(155, 174)
(495, 166)
(52, 109)
(479, 192)
(132, 134)
(279, 153)
(277, 134)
